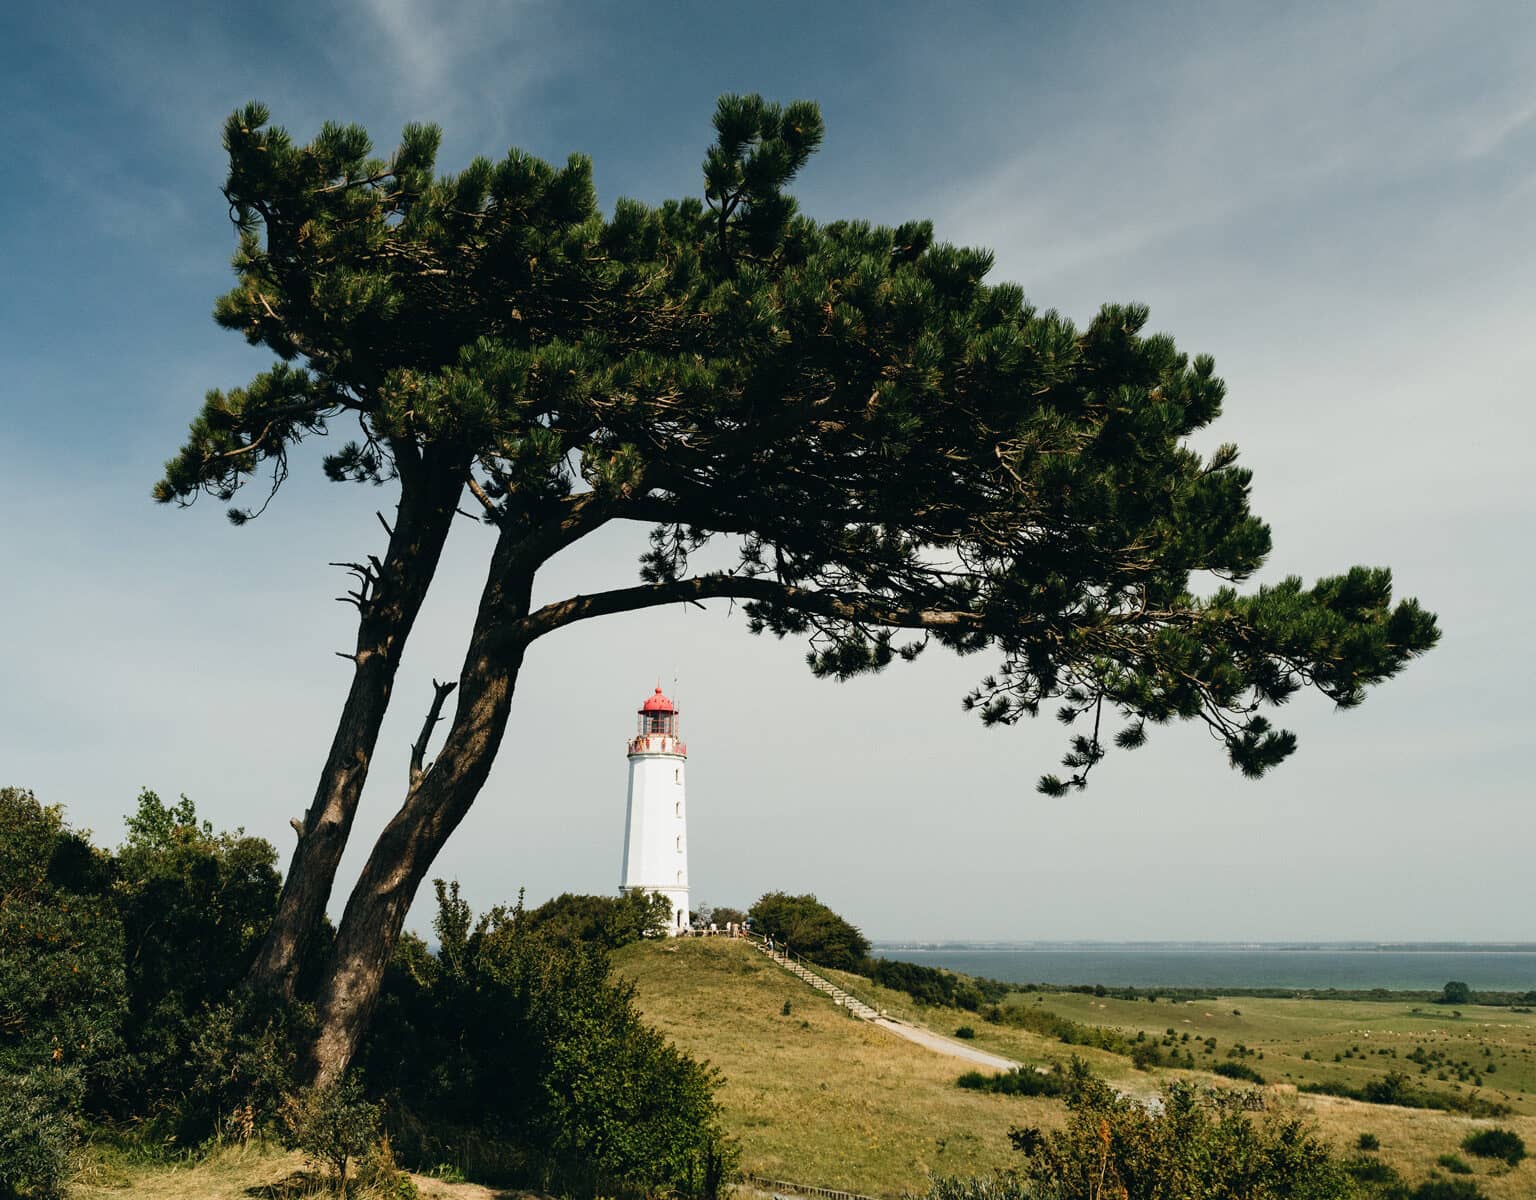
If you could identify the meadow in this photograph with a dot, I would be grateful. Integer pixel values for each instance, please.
(818, 1098)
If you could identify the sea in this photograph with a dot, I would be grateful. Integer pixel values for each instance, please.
(1399, 967)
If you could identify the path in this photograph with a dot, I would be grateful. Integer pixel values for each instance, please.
(940, 1044)
(866, 1012)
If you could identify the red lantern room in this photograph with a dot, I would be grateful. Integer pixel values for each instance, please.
(658, 715)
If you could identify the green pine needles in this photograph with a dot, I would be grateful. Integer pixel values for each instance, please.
(903, 453)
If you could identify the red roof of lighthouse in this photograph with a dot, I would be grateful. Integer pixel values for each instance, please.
(658, 703)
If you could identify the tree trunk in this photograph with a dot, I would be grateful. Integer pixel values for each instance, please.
(429, 495)
(434, 806)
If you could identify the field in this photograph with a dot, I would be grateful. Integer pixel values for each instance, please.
(818, 1098)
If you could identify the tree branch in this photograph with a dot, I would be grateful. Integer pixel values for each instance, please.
(441, 692)
(842, 606)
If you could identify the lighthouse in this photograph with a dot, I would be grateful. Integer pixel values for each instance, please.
(656, 822)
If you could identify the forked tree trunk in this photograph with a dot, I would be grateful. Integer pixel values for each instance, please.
(434, 806)
(429, 497)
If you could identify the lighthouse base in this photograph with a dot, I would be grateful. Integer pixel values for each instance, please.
(677, 896)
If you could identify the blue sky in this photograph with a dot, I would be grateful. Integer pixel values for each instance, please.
(1334, 200)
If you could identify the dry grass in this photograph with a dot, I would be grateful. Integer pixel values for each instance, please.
(255, 1172)
(819, 1098)
(815, 1096)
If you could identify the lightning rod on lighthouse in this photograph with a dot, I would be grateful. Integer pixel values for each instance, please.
(656, 820)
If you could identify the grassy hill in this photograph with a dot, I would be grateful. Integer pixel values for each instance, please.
(817, 1097)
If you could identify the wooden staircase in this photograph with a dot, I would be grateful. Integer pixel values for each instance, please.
(797, 966)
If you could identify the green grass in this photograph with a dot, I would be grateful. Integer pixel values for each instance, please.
(1368, 1038)
(818, 1098)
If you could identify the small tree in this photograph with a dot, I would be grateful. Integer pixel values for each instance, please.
(1456, 992)
(332, 1125)
(810, 928)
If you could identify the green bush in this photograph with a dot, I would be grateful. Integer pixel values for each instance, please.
(1237, 1070)
(1146, 1055)
(1370, 1170)
(1503, 1144)
(112, 964)
(1027, 1081)
(1455, 1164)
(966, 1032)
(1368, 1141)
(239, 1069)
(62, 982)
(933, 985)
(1397, 1089)
(525, 1058)
(1455, 992)
(38, 1131)
(611, 921)
(1447, 1189)
(195, 905)
(1200, 1142)
(810, 929)
(331, 1126)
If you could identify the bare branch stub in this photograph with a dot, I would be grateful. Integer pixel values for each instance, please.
(440, 693)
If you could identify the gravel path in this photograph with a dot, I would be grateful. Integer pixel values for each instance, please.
(943, 1045)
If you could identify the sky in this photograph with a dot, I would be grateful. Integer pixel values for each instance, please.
(1336, 201)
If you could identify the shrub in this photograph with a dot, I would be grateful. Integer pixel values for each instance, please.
(525, 1055)
(1396, 1088)
(1503, 1144)
(1200, 1142)
(62, 984)
(332, 1125)
(239, 1063)
(1368, 1141)
(1455, 1164)
(610, 921)
(1237, 1070)
(38, 1131)
(1455, 992)
(1146, 1055)
(1370, 1170)
(810, 928)
(1027, 1081)
(195, 905)
(1447, 1189)
(966, 1032)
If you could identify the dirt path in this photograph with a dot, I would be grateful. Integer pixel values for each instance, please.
(943, 1045)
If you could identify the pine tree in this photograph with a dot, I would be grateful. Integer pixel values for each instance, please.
(901, 453)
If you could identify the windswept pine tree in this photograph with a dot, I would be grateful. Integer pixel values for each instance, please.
(901, 453)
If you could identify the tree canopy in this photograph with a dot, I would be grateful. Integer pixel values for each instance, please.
(899, 452)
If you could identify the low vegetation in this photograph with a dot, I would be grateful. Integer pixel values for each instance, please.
(1503, 1144)
(510, 1048)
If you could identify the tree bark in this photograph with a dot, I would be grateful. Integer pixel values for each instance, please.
(389, 603)
(435, 803)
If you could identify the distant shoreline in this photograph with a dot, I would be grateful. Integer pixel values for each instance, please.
(919, 946)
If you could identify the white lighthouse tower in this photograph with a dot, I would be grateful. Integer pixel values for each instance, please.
(656, 823)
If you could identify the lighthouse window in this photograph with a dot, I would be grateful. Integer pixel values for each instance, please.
(677, 774)
(679, 809)
(679, 843)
